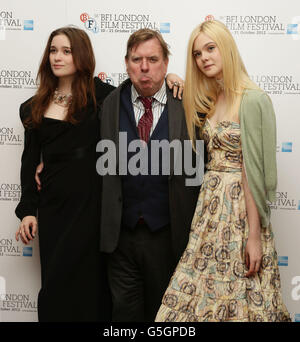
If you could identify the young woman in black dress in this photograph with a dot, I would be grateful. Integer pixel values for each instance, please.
(63, 129)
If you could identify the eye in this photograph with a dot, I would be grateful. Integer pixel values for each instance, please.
(135, 59)
(153, 59)
(197, 54)
(52, 50)
(67, 51)
(211, 48)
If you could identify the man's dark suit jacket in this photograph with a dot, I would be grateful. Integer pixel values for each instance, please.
(182, 198)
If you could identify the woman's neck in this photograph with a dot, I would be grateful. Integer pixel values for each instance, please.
(220, 83)
(65, 85)
(221, 96)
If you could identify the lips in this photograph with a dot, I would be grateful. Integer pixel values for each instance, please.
(208, 66)
(56, 66)
(144, 79)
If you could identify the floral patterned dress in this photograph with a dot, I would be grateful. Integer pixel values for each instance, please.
(209, 283)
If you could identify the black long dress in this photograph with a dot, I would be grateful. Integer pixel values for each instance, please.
(73, 274)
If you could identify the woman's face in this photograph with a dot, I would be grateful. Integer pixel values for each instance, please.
(60, 57)
(207, 56)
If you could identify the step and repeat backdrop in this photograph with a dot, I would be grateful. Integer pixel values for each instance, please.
(268, 36)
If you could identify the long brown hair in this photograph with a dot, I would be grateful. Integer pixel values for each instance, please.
(83, 89)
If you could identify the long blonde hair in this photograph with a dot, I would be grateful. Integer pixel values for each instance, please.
(201, 92)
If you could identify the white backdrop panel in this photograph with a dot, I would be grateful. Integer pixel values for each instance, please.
(268, 36)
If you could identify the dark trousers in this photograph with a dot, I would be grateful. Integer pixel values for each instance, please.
(139, 272)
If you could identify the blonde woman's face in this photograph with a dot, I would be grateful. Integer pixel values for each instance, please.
(207, 56)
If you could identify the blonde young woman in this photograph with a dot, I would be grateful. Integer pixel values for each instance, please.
(229, 270)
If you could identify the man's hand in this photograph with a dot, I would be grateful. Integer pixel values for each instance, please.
(39, 169)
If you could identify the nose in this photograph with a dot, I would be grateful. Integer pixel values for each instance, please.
(57, 56)
(144, 65)
(204, 56)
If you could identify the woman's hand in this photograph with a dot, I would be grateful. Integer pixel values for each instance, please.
(253, 250)
(27, 229)
(253, 255)
(176, 83)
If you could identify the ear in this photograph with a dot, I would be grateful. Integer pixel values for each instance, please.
(166, 61)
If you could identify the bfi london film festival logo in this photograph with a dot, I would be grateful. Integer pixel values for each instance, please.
(260, 25)
(18, 79)
(277, 84)
(284, 201)
(9, 136)
(122, 23)
(10, 22)
(10, 192)
(114, 78)
(12, 248)
(17, 302)
(254, 24)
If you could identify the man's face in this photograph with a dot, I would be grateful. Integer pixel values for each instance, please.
(147, 67)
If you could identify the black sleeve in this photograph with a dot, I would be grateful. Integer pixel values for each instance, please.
(102, 90)
(30, 159)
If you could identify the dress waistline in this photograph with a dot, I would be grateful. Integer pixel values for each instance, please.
(77, 153)
(226, 170)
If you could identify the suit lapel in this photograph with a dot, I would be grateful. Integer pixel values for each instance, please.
(110, 118)
(175, 117)
(110, 123)
(128, 107)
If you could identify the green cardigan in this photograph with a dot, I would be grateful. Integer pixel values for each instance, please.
(258, 135)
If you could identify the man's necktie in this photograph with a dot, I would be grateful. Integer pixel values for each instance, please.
(145, 122)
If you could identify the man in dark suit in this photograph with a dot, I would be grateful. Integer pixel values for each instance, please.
(146, 218)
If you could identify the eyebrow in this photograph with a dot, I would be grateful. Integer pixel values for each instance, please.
(138, 56)
(64, 47)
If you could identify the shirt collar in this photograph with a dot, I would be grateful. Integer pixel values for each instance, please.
(160, 95)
